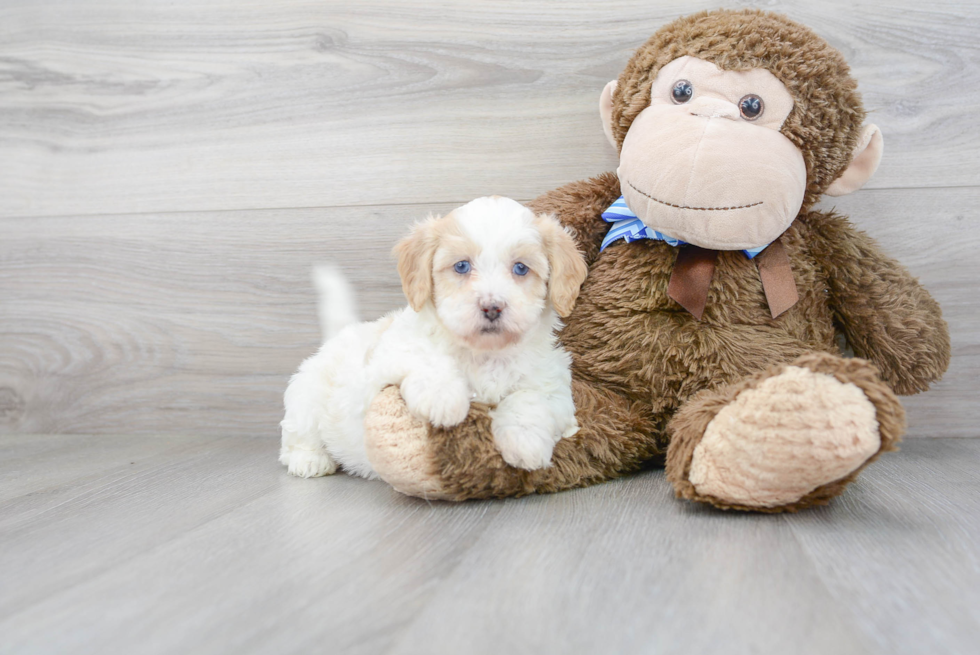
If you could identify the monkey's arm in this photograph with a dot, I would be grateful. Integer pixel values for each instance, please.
(615, 437)
(886, 315)
(579, 206)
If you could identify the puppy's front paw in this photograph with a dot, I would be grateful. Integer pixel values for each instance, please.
(305, 463)
(442, 403)
(524, 446)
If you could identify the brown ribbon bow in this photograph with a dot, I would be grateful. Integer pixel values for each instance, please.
(694, 267)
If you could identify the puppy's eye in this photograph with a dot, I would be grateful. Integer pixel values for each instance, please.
(751, 107)
(682, 92)
(520, 269)
(462, 267)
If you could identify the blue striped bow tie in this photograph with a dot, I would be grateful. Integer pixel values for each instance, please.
(625, 225)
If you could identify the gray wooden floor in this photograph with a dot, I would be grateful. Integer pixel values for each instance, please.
(194, 544)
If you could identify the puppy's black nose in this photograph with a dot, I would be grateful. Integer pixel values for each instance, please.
(492, 312)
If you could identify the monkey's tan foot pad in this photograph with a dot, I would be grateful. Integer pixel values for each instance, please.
(789, 438)
(397, 446)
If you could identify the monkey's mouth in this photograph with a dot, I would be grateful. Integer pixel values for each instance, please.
(704, 209)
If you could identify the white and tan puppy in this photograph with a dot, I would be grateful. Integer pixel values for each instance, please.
(485, 285)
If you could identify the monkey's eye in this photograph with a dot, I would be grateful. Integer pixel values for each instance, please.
(751, 107)
(462, 267)
(682, 92)
(520, 269)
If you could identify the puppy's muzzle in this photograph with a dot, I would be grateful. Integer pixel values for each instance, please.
(492, 312)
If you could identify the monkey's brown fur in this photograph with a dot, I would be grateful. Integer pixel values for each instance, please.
(648, 377)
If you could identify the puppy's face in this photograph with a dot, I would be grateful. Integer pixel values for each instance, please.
(490, 268)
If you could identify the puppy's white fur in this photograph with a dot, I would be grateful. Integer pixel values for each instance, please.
(450, 346)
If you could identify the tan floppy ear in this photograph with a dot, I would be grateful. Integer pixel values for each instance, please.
(568, 269)
(605, 111)
(415, 253)
(867, 156)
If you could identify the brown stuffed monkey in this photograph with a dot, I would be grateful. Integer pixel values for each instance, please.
(705, 336)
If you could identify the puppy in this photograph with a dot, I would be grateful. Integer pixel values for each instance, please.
(485, 284)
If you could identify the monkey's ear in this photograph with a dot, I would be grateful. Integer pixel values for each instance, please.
(605, 111)
(867, 156)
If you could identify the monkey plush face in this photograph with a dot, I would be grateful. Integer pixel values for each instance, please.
(730, 123)
(706, 163)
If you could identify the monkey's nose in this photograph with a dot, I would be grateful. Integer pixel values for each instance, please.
(492, 312)
(713, 108)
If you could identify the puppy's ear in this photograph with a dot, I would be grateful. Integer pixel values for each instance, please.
(568, 268)
(415, 253)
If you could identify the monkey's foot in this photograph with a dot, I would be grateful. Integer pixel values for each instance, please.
(787, 438)
(398, 447)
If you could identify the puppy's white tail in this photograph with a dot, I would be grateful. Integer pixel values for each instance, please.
(336, 305)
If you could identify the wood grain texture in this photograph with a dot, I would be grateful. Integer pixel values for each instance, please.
(174, 323)
(206, 545)
(192, 323)
(121, 107)
(125, 308)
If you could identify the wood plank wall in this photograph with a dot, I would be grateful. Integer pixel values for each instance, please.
(169, 172)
